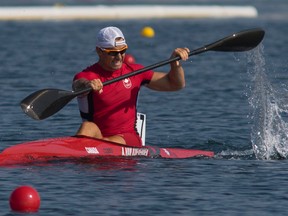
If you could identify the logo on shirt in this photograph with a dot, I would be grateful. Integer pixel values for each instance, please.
(127, 83)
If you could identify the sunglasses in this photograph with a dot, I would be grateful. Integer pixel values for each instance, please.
(114, 52)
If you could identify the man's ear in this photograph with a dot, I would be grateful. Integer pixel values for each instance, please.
(98, 50)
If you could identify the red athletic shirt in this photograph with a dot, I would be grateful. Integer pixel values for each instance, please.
(114, 110)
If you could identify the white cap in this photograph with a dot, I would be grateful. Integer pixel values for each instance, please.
(106, 37)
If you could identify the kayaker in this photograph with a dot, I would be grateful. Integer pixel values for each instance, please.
(109, 112)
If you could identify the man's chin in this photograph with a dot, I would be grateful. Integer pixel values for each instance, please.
(116, 66)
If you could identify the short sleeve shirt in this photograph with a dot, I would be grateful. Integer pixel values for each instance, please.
(114, 110)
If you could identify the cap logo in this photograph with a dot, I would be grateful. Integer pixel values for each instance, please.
(119, 43)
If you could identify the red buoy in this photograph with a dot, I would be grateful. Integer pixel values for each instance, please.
(129, 59)
(25, 199)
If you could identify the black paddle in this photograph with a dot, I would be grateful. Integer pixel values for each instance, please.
(46, 102)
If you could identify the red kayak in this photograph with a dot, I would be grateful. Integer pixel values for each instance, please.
(83, 147)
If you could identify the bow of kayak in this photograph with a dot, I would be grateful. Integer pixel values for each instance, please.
(83, 147)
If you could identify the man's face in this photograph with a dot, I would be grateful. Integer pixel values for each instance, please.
(112, 59)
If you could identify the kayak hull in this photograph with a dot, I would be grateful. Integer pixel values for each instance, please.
(85, 147)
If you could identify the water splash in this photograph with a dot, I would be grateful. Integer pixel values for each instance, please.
(269, 134)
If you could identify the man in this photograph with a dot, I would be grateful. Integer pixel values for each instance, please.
(109, 112)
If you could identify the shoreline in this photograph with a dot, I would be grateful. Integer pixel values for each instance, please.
(105, 12)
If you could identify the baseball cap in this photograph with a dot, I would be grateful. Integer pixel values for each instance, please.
(106, 38)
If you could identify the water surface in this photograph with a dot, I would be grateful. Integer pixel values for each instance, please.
(234, 104)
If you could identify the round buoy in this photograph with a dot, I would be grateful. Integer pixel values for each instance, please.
(24, 199)
(129, 59)
(148, 32)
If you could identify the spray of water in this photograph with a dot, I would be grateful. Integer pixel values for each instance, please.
(269, 133)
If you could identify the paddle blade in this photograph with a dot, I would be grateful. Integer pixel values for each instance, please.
(238, 42)
(46, 102)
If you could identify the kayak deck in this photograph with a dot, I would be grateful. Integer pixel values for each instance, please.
(84, 147)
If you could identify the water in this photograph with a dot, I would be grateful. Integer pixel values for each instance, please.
(269, 128)
(234, 104)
